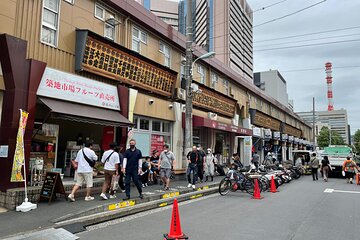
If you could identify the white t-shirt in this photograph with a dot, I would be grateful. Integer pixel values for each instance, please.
(114, 159)
(83, 165)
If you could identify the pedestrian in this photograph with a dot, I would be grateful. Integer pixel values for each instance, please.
(236, 163)
(256, 160)
(209, 165)
(145, 172)
(192, 168)
(325, 168)
(166, 166)
(85, 160)
(348, 169)
(111, 162)
(132, 168)
(314, 162)
(154, 160)
(200, 163)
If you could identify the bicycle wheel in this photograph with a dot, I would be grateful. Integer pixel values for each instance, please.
(249, 185)
(265, 183)
(224, 187)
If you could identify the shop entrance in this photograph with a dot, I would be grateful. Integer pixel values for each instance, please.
(222, 148)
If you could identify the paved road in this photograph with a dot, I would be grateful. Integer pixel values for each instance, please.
(301, 210)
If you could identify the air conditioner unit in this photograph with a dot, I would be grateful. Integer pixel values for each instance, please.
(180, 94)
(235, 120)
(212, 116)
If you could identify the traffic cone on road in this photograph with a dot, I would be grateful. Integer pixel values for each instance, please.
(272, 185)
(175, 226)
(256, 190)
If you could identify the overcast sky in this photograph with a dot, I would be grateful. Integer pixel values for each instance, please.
(302, 86)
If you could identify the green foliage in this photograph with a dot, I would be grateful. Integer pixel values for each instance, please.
(324, 136)
(357, 141)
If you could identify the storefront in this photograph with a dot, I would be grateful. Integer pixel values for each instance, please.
(258, 142)
(277, 146)
(285, 153)
(71, 109)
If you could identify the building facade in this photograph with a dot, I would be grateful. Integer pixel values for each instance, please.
(111, 70)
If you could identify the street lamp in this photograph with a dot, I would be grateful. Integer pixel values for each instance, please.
(189, 95)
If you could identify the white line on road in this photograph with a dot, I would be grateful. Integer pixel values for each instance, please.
(330, 190)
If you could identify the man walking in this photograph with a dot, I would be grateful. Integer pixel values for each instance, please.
(349, 169)
(200, 163)
(85, 160)
(314, 162)
(111, 162)
(132, 168)
(166, 165)
(192, 157)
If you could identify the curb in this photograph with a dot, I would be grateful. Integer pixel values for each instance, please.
(130, 209)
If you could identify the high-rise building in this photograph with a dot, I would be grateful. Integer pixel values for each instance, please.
(335, 120)
(273, 84)
(224, 27)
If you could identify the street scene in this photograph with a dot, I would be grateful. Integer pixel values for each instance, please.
(179, 119)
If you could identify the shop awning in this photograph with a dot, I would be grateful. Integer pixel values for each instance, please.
(85, 113)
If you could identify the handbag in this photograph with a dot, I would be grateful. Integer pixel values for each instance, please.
(91, 163)
(115, 182)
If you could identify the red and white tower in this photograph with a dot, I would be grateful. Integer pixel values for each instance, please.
(328, 71)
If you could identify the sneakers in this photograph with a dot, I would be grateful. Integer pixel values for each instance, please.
(112, 196)
(103, 196)
(143, 185)
(189, 185)
(193, 187)
(351, 180)
(71, 197)
(89, 198)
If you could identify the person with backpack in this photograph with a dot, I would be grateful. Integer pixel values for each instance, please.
(111, 162)
(85, 160)
(348, 169)
(166, 166)
(192, 168)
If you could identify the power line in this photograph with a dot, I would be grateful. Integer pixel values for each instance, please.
(307, 40)
(307, 34)
(314, 69)
(263, 8)
(290, 14)
(307, 45)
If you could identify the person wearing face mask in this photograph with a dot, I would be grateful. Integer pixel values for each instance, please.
(132, 165)
(166, 165)
(209, 165)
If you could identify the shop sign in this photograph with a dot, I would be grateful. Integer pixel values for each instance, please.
(102, 57)
(257, 132)
(296, 140)
(267, 134)
(291, 130)
(214, 102)
(284, 137)
(291, 138)
(74, 88)
(263, 120)
(276, 135)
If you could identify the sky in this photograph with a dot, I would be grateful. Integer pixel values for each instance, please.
(302, 86)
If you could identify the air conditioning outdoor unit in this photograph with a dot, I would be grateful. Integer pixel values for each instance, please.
(180, 94)
(212, 116)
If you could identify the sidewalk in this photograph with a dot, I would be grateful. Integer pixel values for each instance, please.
(46, 215)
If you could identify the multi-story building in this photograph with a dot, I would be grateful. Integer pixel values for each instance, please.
(109, 71)
(226, 28)
(335, 120)
(273, 84)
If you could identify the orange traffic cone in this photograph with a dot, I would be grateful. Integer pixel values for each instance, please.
(175, 226)
(272, 185)
(256, 190)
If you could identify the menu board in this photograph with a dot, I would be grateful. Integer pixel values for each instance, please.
(52, 185)
(157, 143)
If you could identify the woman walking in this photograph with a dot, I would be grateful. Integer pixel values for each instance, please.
(325, 168)
(209, 165)
(314, 162)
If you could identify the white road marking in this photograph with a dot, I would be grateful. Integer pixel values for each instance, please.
(330, 190)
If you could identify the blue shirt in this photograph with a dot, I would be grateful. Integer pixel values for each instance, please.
(132, 159)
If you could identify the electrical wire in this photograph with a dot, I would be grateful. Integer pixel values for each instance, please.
(263, 8)
(314, 69)
(290, 14)
(307, 34)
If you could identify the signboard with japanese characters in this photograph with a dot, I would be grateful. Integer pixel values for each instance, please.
(74, 88)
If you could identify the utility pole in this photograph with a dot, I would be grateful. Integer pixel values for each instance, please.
(188, 76)
(313, 123)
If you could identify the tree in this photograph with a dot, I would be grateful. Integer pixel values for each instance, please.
(357, 141)
(324, 136)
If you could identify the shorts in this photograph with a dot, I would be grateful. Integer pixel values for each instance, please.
(349, 174)
(86, 178)
(165, 172)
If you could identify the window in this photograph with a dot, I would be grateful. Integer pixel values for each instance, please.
(144, 124)
(137, 37)
(226, 86)
(214, 80)
(166, 127)
(156, 126)
(109, 31)
(99, 12)
(135, 122)
(201, 72)
(50, 22)
(165, 49)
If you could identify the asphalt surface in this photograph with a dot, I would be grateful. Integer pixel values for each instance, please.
(301, 210)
